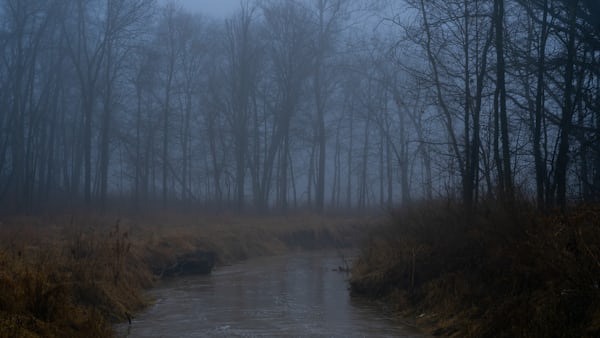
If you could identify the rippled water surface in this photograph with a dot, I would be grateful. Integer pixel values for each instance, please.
(298, 295)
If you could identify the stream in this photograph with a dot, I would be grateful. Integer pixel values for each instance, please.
(298, 295)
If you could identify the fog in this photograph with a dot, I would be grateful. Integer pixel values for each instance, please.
(288, 105)
(214, 8)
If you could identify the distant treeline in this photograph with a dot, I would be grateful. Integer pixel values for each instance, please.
(287, 103)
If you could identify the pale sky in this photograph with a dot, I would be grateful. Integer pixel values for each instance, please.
(214, 8)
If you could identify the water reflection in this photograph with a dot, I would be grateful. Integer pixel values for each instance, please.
(295, 295)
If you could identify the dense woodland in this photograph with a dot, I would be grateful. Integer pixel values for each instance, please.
(319, 104)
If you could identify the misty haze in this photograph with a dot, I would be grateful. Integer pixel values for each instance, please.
(300, 168)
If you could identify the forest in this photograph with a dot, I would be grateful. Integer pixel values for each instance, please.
(297, 104)
(453, 143)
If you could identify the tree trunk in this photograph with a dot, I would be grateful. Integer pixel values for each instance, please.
(562, 159)
(539, 160)
(501, 87)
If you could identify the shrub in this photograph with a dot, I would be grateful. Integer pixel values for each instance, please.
(491, 273)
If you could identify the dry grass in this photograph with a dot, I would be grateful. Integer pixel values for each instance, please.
(67, 282)
(73, 276)
(235, 238)
(493, 274)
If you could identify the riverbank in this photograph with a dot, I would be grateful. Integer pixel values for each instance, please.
(497, 273)
(76, 275)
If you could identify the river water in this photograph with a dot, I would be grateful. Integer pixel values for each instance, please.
(298, 295)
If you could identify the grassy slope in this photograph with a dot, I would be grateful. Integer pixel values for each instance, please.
(495, 274)
(74, 276)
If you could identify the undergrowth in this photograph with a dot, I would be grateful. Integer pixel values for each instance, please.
(492, 273)
(70, 285)
(75, 276)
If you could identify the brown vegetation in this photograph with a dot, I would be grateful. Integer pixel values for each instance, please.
(493, 274)
(75, 276)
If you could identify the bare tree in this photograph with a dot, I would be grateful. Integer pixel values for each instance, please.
(329, 20)
(288, 29)
(121, 25)
(242, 67)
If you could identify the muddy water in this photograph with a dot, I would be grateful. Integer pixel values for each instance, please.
(298, 295)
